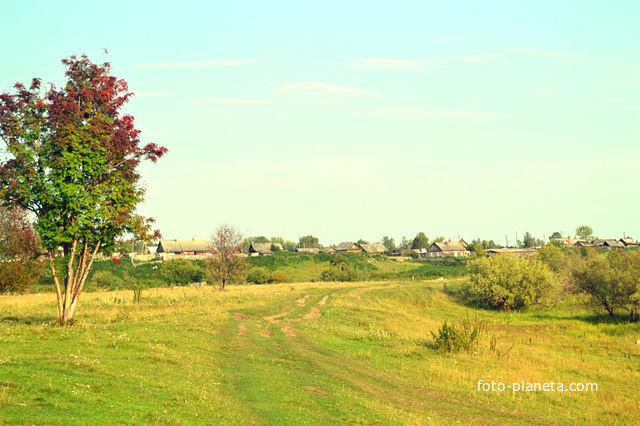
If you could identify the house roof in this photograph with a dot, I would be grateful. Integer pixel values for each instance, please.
(628, 241)
(180, 246)
(460, 241)
(453, 245)
(262, 248)
(613, 243)
(373, 248)
(349, 245)
(307, 250)
(609, 242)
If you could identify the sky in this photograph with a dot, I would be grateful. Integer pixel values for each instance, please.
(359, 119)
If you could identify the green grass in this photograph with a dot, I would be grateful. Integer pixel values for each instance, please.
(266, 354)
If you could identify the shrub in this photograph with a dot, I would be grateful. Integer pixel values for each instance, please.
(278, 277)
(105, 280)
(509, 283)
(258, 275)
(17, 276)
(341, 271)
(455, 339)
(553, 256)
(612, 282)
(182, 271)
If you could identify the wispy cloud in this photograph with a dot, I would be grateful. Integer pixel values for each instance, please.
(320, 87)
(393, 63)
(214, 100)
(233, 62)
(414, 113)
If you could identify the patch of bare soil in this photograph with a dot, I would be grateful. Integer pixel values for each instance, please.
(239, 316)
(323, 301)
(276, 318)
(288, 331)
(303, 300)
(316, 389)
(242, 329)
(315, 313)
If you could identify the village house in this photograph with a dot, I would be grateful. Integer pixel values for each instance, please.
(373, 248)
(185, 247)
(448, 248)
(349, 247)
(264, 249)
(628, 242)
(582, 243)
(608, 243)
(327, 250)
(307, 250)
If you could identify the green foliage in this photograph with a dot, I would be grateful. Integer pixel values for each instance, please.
(105, 280)
(510, 283)
(613, 282)
(278, 277)
(182, 272)
(308, 241)
(260, 275)
(420, 241)
(388, 243)
(556, 234)
(452, 338)
(584, 232)
(554, 257)
(340, 270)
(484, 244)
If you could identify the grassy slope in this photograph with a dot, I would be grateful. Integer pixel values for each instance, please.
(195, 355)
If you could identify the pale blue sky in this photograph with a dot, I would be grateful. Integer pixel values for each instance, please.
(352, 120)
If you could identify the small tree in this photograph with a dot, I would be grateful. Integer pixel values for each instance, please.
(510, 283)
(226, 264)
(19, 248)
(73, 159)
(528, 241)
(556, 234)
(584, 232)
(308, 241)
(388, 243)
(612, 282)
(420, 241)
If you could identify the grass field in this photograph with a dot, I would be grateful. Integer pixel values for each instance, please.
(306, 353)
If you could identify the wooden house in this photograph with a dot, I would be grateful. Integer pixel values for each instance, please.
(373, 248)
(448, 248)
(349, 247)
(628, 242)
(185, 247)
(264, 249)
(307, 250)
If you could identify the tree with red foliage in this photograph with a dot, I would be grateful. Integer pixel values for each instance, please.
(72, 161)
(19, 264)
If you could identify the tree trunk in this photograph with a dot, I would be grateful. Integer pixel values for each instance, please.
(75, 279)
